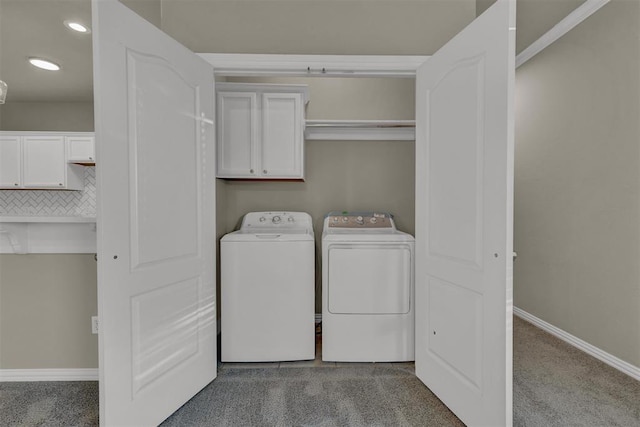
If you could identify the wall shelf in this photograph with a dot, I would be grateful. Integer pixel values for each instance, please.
(52, 234)
(366, 130)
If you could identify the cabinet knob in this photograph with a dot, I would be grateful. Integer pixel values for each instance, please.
(250, 170)
(264, 171)
(90, 158)
(60, 184)
(16, 184)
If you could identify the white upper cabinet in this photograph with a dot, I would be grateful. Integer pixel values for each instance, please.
(43, 162)
(282, 135)
(81, 149)
(237, 134)
(10, 165)
(261, 130)
(37, 160)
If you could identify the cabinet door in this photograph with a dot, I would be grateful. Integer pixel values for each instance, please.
(237, 132)
(44, 162)
(80, 149)
(282, 150)
(10, 166)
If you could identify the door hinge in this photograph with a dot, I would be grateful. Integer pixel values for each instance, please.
(94, 325)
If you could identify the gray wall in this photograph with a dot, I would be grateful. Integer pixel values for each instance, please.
(577, 192)
(345, 27)
(47, 116)
(46, 302)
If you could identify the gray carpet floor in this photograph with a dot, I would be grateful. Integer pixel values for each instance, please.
(554, 385)
(322, 396)
(49, 403)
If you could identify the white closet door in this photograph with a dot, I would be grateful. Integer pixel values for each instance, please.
(464, 219)
(156, 219)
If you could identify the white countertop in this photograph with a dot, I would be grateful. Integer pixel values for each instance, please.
(35, 218)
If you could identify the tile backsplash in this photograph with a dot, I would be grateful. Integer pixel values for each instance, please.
(52, 202)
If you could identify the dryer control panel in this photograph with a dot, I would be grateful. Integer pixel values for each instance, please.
(357, 220)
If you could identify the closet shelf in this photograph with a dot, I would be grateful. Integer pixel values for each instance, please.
(368, 130)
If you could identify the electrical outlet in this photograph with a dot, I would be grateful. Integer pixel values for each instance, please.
(94, 324)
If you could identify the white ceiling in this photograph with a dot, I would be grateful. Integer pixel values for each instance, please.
(35, 28)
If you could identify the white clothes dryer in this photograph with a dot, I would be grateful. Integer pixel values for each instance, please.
(267, 303)
(367, 289)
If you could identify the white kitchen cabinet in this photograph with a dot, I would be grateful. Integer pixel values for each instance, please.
(37, 160)
(10, 164)
(81, 149)
(261, 130)
(43, 162)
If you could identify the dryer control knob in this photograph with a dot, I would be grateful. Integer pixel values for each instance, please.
(373, 220)
(360, 220)
(276, 219)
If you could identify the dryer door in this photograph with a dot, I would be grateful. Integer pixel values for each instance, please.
(369, 278)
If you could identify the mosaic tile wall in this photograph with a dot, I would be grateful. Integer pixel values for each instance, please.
(52, 203)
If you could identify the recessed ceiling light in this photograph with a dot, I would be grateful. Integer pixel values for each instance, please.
(76, 26)
(44, 64)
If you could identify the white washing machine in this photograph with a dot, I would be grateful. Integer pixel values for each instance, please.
(367, 289)
(267, 271)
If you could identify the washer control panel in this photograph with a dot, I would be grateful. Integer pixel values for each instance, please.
(359, 220)
(277, 220)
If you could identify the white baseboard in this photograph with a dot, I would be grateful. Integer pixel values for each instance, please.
(609, 359)
(11, 375)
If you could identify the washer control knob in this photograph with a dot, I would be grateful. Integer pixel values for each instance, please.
(373, 220)
(360, 220)
(345, 219)
(276, 219)
(290, 219)
(262, 219)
